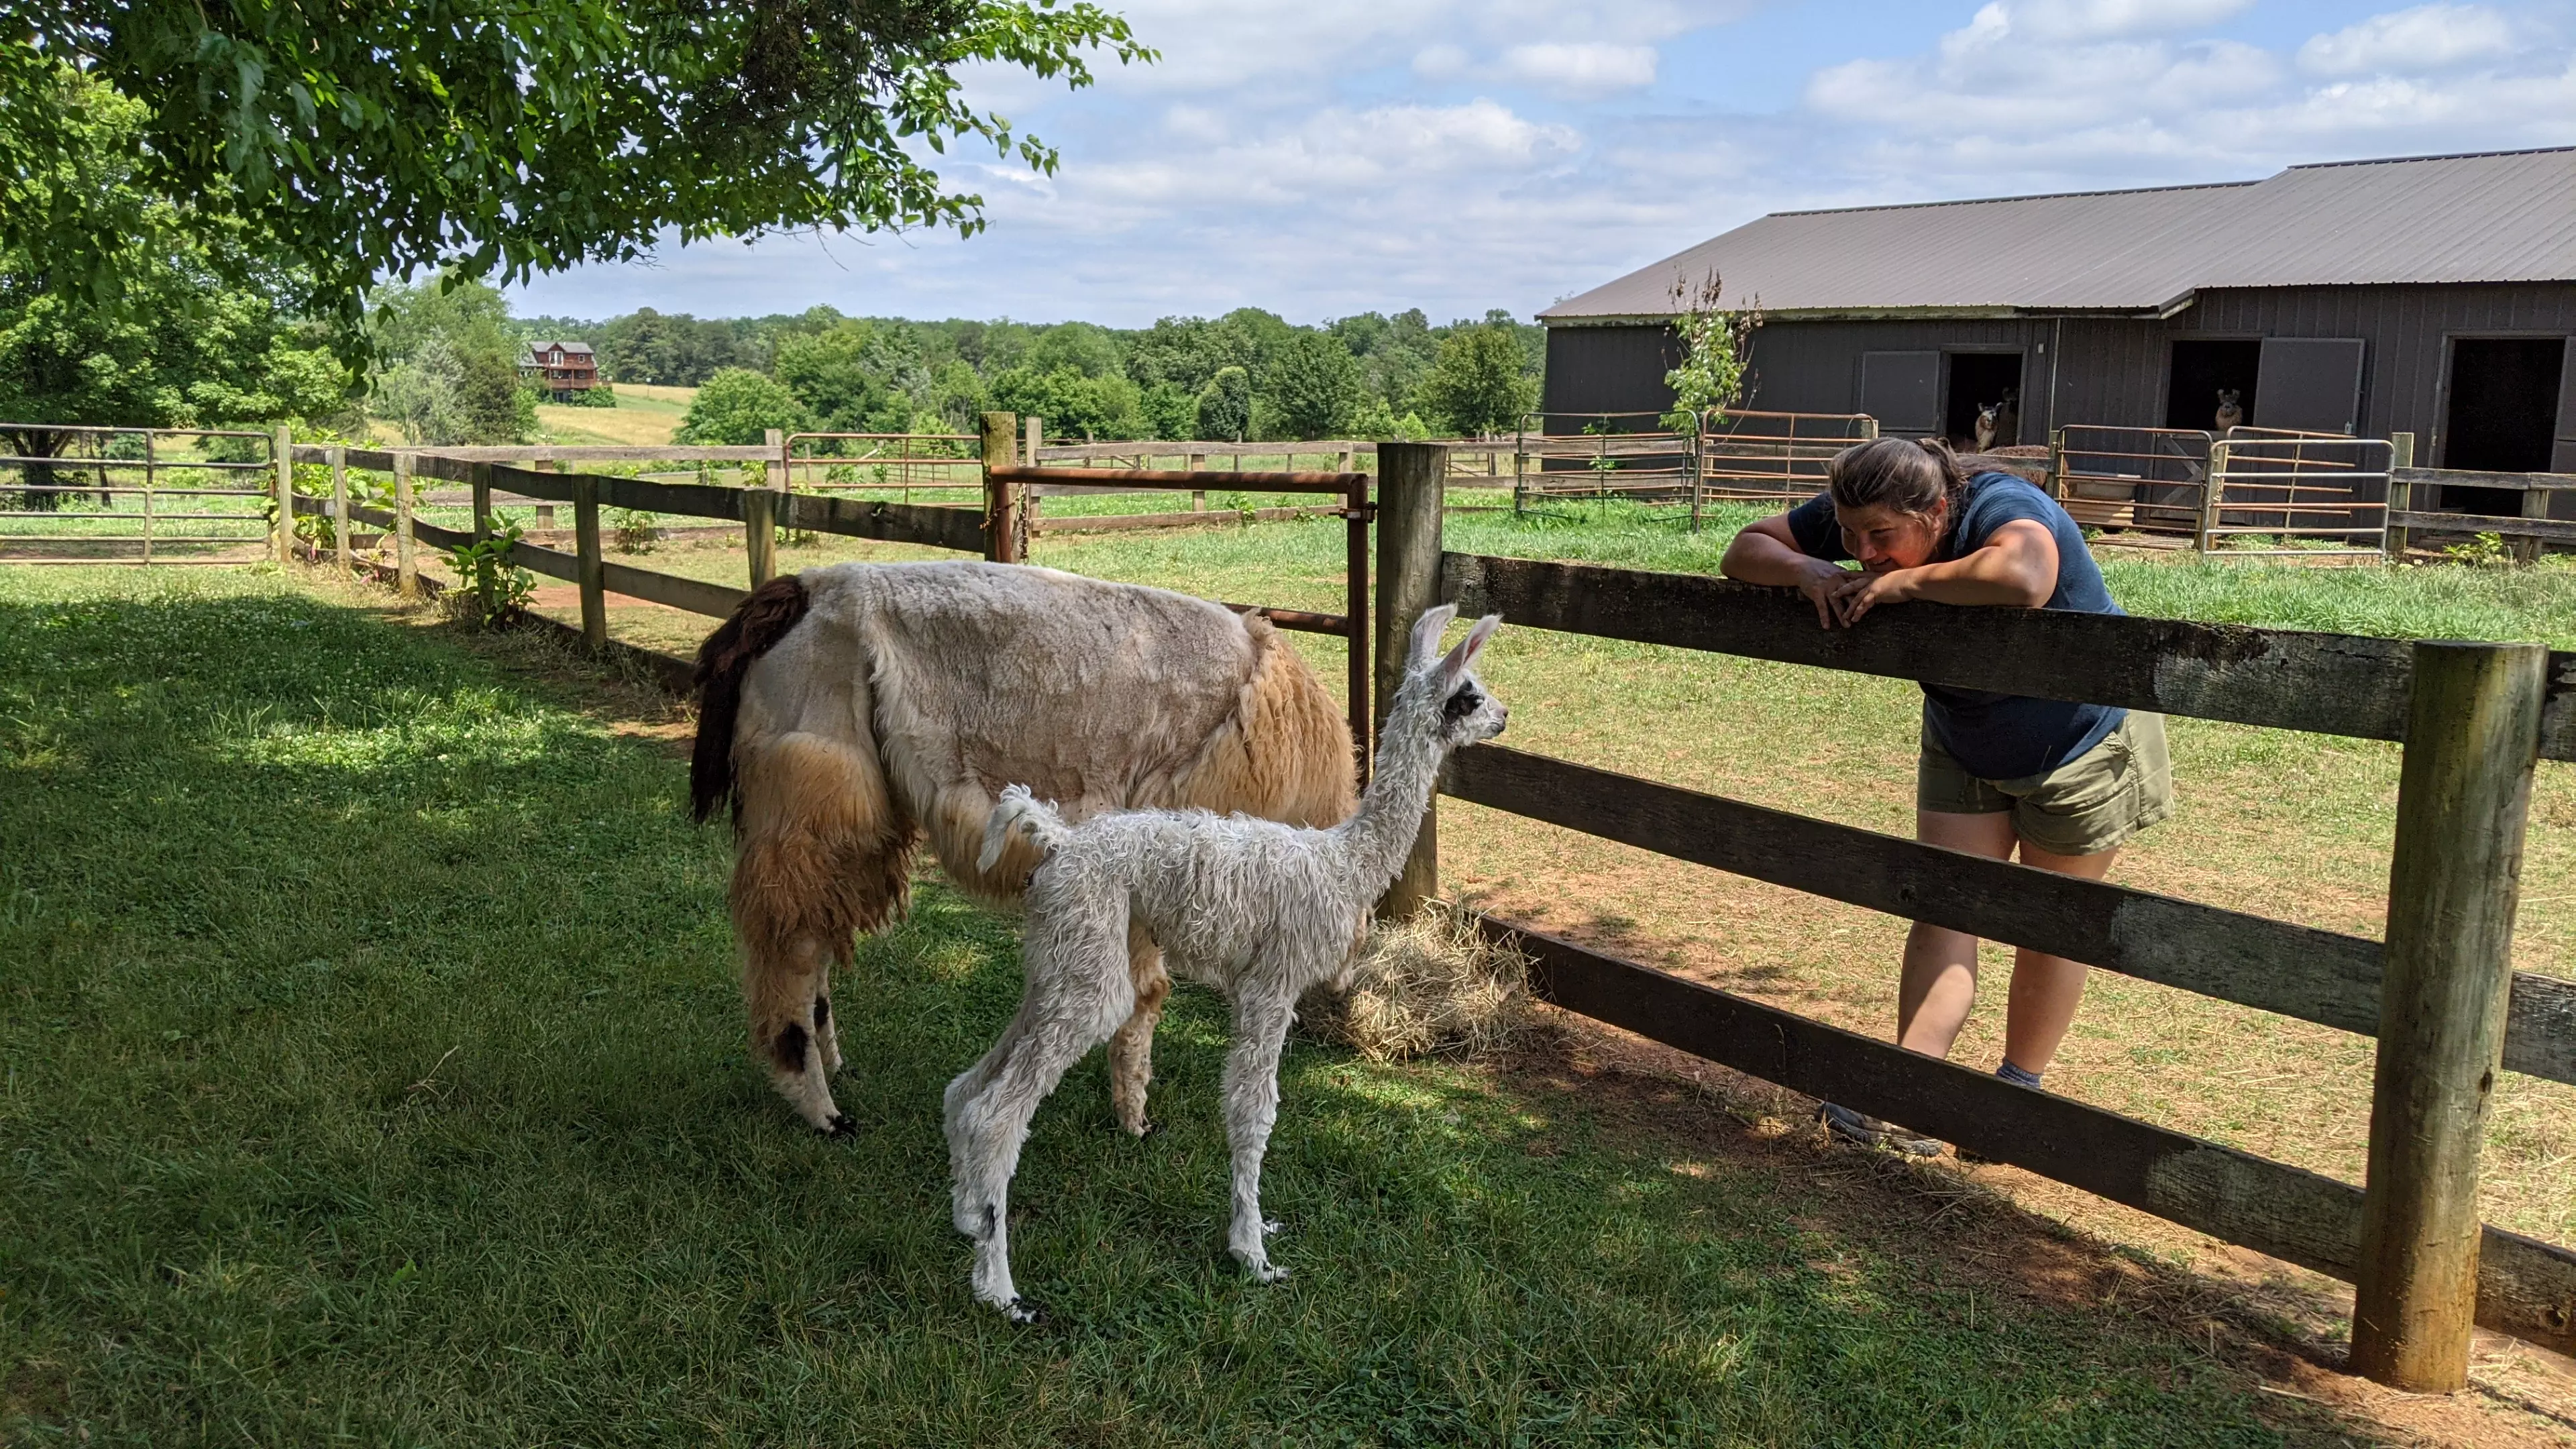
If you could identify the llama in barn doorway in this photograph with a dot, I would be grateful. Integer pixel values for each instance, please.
(850, 711)
(2229, 414)
(1259, 910)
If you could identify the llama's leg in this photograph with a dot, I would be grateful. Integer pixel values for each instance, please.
(789, 1019)
(825, 854)
(827, 1027)
(1251, 1105)
(1131, 1051)
(1078, 993)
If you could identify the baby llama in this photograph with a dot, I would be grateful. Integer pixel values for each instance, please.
(1260, 910)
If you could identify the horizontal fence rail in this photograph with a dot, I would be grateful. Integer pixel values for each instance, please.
(2337, 684)
(2525, 1287)
(2318, 976)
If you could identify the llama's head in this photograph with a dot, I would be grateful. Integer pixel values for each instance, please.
(1986, 414)
(2227, 397)
(1468, 713)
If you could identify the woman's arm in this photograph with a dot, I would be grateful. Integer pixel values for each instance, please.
(2017, 568)
(1765, 552)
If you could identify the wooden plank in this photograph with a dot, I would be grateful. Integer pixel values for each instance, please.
(2548, 530)
(961, 529)
(2456, 478)
(2461, 807)
(716, 601)
(2320, 976)
(553, 563)
(2337, 684)
(2527, 1289)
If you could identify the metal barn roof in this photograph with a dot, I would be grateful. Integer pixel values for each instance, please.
(2505, 216)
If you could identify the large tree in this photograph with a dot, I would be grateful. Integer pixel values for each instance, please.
(381, 140)
(176, 320)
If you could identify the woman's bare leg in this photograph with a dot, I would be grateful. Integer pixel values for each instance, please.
(2046, 990)
(1940, 979)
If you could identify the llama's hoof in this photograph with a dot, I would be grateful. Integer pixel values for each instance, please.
(1268, 1273)
(1144, 1130)
(841, 1125)
(1272, 1227)
(1025, 1313)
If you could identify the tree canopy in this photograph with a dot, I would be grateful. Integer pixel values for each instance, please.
(374, 141)
(187, 326)
(737, 407)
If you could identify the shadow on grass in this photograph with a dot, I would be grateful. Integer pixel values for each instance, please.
(375, 1070)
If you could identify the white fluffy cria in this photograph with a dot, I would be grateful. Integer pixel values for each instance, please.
(1259, 910)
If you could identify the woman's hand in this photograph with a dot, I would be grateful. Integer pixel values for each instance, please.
(1822, 583)
(1857, 594)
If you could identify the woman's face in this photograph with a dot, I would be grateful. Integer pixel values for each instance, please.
(1883, 538)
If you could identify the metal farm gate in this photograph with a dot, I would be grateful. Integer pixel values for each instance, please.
(84, 495)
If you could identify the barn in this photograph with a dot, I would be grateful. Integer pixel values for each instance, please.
(2433, 295)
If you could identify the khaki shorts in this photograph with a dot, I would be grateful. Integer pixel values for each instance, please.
(2086, 806)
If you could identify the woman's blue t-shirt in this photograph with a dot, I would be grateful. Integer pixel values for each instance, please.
(1997, 736)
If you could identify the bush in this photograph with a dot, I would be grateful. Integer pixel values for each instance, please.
(601, 396)
(1225, 406)
(736, 407)
(1477, 383)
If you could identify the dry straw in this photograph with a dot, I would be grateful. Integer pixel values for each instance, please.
(1428, 986)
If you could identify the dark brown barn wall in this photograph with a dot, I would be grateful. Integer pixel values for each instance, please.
(2096, 369)
(1616, 369)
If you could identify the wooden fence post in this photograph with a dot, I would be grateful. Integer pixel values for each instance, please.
(340, 506)
(587, 567)
(406, 560)
(545, 507)
(1409, 479)
(2472, 735)
(1003, 540)
(760, 533)
(1032, 503)
(1198, 498)
(284, 534)
(2057, 464)
(2212, 484)
(775, 439)
(486, 579)
(2401, 493)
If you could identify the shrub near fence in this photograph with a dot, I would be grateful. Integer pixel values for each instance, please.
(2439, 994)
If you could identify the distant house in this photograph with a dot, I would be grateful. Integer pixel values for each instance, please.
(561, 368)
(2434, 295)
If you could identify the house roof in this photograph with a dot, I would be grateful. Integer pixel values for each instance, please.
(2506, 216)
(575, 349)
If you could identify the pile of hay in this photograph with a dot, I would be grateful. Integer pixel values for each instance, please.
(1428, 986)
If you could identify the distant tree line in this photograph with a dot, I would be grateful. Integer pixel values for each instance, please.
(1248, 375)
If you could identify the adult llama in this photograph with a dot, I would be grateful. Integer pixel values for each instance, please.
(850, 712)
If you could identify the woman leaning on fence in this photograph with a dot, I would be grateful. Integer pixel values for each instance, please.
(2067, 784)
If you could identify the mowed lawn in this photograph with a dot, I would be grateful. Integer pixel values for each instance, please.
(374, 1075)
(2284, 824)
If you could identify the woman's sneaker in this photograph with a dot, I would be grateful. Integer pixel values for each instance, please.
(1871, 1132)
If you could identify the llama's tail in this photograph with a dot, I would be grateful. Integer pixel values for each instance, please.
(758, 623)
(1018, 808)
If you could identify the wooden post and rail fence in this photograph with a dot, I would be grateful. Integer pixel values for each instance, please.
(2437, 993)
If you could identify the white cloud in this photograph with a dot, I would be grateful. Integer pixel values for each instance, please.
(1581, 69)
(2426, 38)
(2079, 20)
(1327, 156)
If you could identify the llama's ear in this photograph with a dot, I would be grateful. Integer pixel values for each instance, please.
(1469, 647)
(1426, 632)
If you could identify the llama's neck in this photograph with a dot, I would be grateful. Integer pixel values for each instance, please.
(1379, 835)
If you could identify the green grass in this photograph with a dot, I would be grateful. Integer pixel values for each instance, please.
(374, 1073)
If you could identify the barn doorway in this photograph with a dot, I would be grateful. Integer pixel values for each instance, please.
(2201, 370)
(1979, 380)
(2502, 415)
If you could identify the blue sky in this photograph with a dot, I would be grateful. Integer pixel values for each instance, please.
(1323, 157)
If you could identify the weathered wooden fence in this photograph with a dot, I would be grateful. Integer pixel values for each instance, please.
(2438, 994)
(998, 530)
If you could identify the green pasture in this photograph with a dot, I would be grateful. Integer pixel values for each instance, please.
(374, 1074)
